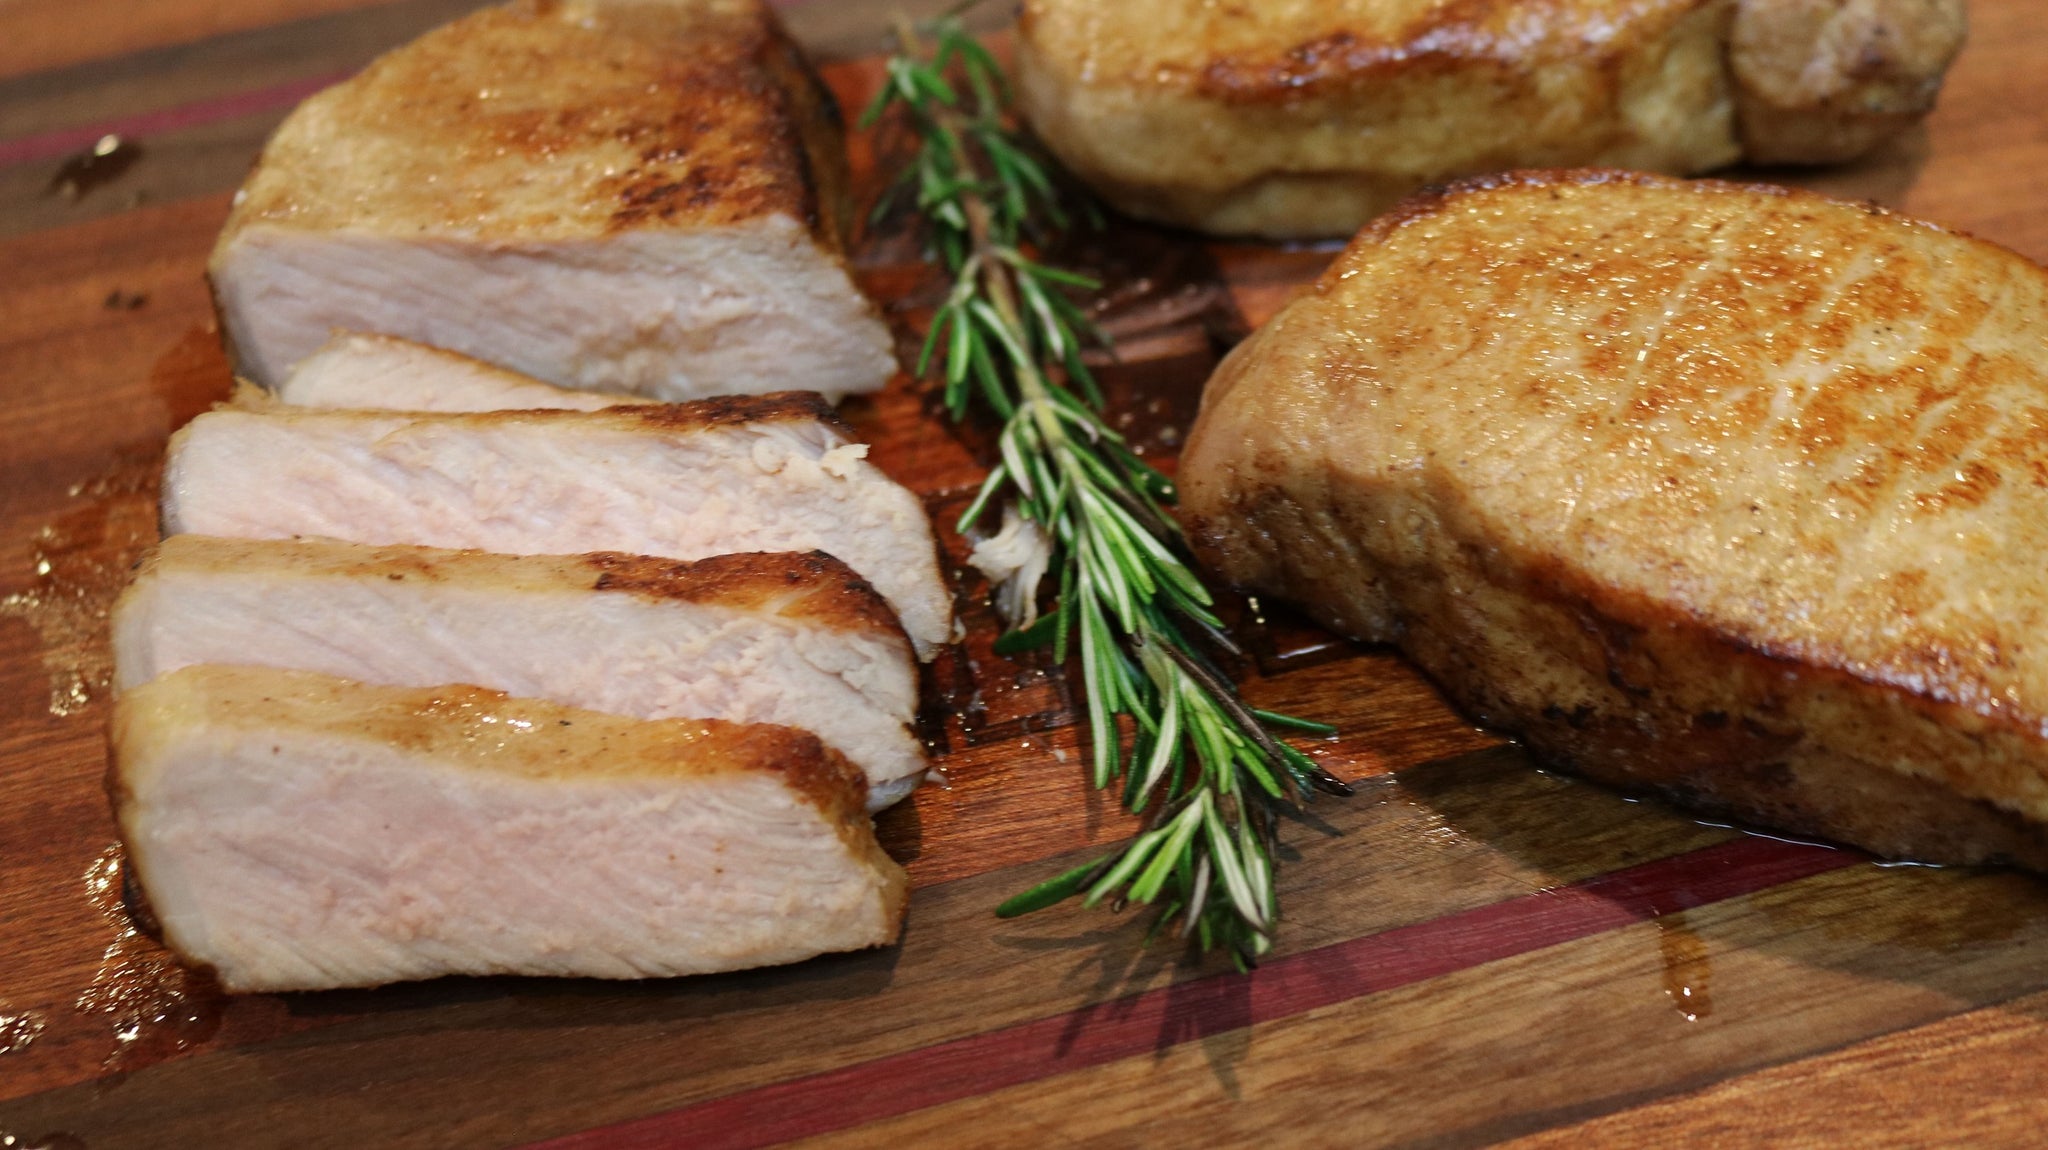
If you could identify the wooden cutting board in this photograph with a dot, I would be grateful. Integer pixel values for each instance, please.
(1472, 952)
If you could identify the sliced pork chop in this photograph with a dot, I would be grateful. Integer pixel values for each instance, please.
(797, 640)
(1734, 494)
(639, 196)
(1307, 119)
(771, 473)
(384, 372)
(295, 831)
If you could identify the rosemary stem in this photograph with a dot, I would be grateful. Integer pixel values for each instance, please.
(1199, 764)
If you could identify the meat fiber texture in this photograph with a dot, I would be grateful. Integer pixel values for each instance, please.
(688, 481)
(796, 640)
(638, 196)
(1732, 494)
(383, 372)
(1304, 118)
(294, 831)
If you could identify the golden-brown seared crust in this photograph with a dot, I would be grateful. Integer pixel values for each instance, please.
(1733, 493)
(1244, 56)
(724, 411)
(1245, 52)
(811, 586)
(540, 120)
(1307, 117)
(828, 592)
(733, 410)
(1639, 696)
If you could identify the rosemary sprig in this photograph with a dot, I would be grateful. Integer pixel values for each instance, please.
(1203, 767)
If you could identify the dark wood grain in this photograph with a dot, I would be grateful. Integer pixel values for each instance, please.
(1855, 1005)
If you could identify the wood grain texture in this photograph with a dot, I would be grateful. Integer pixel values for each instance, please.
(1455, 999)
(46, 34)
(49, 34)
(1988, 1067)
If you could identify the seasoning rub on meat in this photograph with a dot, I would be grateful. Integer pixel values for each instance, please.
(294, 831)
(797, 640)
(686, 481)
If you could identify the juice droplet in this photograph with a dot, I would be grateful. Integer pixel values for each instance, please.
(157, 1007)
(18, 1030)
(80, 561)
(1688, 967)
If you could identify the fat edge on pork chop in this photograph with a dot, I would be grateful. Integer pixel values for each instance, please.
(1732, 494)
(642, 196)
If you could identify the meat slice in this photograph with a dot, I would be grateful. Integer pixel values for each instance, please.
(384, 372)
(797, 640)
(295, 831)
(641, 196)
(772, 473)
(1732, 494)
(1307, 119)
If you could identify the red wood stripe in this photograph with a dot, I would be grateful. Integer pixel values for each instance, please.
(64, 141)
(1160, 1019)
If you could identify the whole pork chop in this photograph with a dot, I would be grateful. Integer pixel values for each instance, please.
(1308, 117)
(1733, 494)
(637, 196)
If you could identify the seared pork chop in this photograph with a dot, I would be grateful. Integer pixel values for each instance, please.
(639, 196)
(1733, 494)
(797, 640)
(1306, 119)
(294, 831)
(769, 473)
(384, 372)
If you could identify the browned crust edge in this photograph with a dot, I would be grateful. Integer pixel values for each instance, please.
(1760, 764)
(813, 586)
(1749, 757)
(820, 133)
(832, 594)
(1437, 198)
(1443, 39)
(716, 412)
